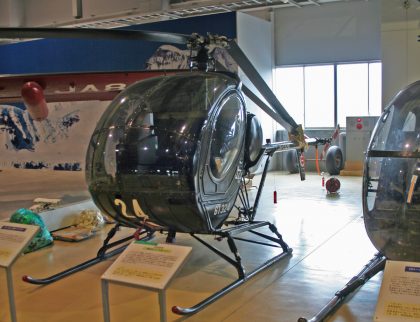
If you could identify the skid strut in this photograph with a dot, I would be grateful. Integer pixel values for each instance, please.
(101, 255)
(375, 265)
(237, 260)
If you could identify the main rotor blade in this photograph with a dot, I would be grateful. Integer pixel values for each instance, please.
(264, 106)
(253, 75)
(257, 101)
(84, 33)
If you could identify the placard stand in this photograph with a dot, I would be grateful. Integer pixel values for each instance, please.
(399, 296)
(145, 265)
(14, 238)
(105, 300)
(12, 305)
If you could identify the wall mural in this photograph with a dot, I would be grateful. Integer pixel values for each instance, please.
(171, 57)
(60, 142)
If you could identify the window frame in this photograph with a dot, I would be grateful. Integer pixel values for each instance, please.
(370, 101)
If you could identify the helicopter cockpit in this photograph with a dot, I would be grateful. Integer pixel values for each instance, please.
(391, 194)
(148, 157)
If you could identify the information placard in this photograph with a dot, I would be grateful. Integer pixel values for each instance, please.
(399, 296)
(13, 239)
(147, 264)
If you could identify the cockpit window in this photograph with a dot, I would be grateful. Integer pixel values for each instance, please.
(227, 136)
(171, 96)
(154, 125)
(410, 122)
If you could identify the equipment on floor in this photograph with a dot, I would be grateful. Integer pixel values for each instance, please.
(334, 158)
(173, 150)
(43, 238)
(332, 185)
(42, 204)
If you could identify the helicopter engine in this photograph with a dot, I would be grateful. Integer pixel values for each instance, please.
(171, 149)
(391, 194)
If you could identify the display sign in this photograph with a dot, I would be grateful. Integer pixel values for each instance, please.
(147, 264)
(13, 239)
(399, 297)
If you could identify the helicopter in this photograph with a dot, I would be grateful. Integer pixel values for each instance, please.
(173, 149)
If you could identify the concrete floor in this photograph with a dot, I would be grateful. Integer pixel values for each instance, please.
(326, 233)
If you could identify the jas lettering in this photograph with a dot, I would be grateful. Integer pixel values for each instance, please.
(92, 88)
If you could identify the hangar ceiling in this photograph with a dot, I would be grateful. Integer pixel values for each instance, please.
(108, 14)
(175, 9)
(111, 14)
(122, 13)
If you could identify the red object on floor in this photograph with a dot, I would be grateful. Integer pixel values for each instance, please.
(332, 185)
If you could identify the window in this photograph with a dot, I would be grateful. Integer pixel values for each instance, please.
(352, 91)
(319, 96)
(324, 95)
(375, 88)
(289, 90)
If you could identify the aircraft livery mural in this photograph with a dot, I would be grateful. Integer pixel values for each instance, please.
(56, 142)
(60, 141)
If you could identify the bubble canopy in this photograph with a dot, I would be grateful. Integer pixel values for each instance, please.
(391, 194)
(169, 149)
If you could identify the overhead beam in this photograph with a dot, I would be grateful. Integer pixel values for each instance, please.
(77, 9)
(295, 3)
(314, 2)
(166, 10)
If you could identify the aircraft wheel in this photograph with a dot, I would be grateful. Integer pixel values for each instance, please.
(334, 160)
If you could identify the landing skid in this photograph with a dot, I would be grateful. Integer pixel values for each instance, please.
(235, 228)
(230, 234)
(244, 223)
(101, 255)
(375, 265)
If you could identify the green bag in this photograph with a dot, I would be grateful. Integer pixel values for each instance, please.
(42, 238)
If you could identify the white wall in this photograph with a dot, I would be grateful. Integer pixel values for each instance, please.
(333, 32)
(400, 55)
(11, 13)
(255, 38)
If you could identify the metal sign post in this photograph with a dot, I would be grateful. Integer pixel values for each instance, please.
(105, 301)
(12, 305)
(133, 268)
(14, 239)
